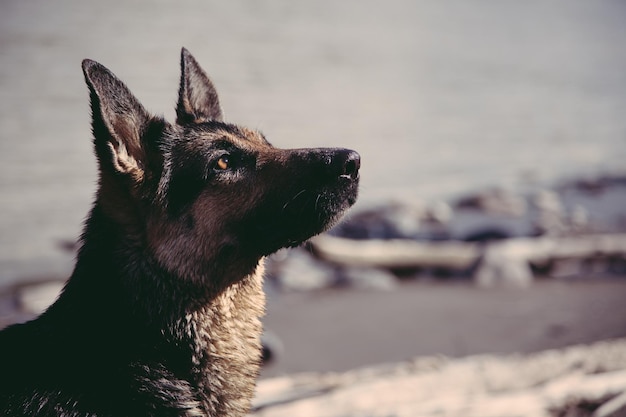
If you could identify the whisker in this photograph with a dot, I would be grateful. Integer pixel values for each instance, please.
(292, 199)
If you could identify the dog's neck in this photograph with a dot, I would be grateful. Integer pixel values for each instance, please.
(209, 343)
(224, 337)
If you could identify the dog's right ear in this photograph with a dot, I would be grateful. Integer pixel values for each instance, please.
(197, 96)
(118, 121)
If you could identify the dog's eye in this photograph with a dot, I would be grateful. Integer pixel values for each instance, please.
(223, 163)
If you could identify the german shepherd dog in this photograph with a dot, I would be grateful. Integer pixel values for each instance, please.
(161, 316)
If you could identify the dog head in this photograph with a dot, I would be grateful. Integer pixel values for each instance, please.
(202, 196)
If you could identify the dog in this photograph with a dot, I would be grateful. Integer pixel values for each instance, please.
(161, 315)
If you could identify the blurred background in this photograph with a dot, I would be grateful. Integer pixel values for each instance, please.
(452, 106)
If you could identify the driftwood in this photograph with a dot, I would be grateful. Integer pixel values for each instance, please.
(582, 381)
(505, 260)
(395, 253)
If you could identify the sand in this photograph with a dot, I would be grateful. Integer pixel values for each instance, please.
(341, 330)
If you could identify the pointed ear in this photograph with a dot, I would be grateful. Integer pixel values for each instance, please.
(197, 97)
(118, 121)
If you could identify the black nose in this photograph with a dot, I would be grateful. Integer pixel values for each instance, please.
(351, 161)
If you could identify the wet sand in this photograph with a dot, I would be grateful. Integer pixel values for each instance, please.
(341, 330)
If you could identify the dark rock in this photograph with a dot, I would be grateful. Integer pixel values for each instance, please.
(390, 221)
(370, 224)
(494, 201)
(487, 235)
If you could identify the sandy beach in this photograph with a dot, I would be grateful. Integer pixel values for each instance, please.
(438, 98)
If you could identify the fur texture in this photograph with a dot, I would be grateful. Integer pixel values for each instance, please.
(161, 316)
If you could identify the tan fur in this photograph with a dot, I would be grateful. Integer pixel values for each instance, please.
(228, 349)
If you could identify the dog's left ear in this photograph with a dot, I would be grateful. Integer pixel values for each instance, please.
(119, 122)
(197, 96)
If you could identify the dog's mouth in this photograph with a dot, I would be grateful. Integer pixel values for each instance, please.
(309, 213)
(306, 214)
(313, 205)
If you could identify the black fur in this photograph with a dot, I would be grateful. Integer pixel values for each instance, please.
(161, 314)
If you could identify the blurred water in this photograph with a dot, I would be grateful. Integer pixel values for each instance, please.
(438, 97)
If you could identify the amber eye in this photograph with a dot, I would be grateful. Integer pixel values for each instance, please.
(223, 162)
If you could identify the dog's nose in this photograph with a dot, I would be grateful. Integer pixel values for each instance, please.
(351, 164)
